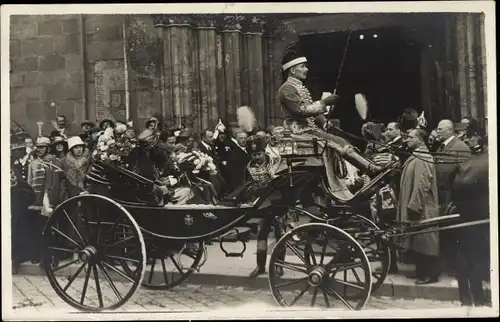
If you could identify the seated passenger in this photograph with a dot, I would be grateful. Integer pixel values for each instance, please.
(151, 162)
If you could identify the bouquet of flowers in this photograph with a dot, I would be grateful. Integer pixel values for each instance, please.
(111, 148)
(195, 162)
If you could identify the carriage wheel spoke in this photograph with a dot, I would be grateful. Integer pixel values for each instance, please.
(292, 282)
(120, 242)
(294, 250)
(312, 256)
(97, 286)
(122, 274)
(300, 295)
(124, 258)
(65, 265)
(356, 276)
(98, 233)
(164, 268)
(313, 300)
(292, 266)
(67, 237)
(72, 278)
(323, 252)
(74, 227)
(63, 249)
(110, 282)
(85, 285)
(346, 283)
(348, 267)
(341, 299)
(176, 264)
(151, 272)
(325, 296)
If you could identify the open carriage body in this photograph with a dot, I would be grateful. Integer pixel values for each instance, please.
(114, 230)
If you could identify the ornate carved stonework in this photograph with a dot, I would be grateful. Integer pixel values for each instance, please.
(166, 20)
(253, 24)
(232, 22)
(205, 20)
(270, 27)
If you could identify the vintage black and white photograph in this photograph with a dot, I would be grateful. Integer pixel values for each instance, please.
(249, 160)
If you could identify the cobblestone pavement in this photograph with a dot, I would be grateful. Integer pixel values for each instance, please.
(34, 294)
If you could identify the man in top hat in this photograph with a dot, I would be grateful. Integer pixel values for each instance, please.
(306, 117)
(22, 197)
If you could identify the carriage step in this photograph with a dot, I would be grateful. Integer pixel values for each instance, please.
(234, 254)
(236, 234)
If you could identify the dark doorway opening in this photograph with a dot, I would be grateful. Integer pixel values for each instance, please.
(379, 63)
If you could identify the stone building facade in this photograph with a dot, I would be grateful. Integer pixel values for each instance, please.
(193, 69)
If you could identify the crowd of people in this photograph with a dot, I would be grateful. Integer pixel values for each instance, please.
(55, 166)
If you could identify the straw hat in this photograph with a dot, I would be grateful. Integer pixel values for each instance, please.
(74, 141)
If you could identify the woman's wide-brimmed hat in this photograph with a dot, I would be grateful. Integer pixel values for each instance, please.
(42, 141)
(59, 139)
(104, 121)
(151, 120)
(75, 141)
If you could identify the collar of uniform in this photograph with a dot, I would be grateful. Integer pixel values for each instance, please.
(294, 81)
(448, 140)
(239, 146)
(206, 145)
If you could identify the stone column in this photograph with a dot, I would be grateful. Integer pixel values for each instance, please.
(221, 79)
(252, 31)
(270, 106)
(231, 40)
(482, 86)
(207, 65)
(178, 71)
(463, 75)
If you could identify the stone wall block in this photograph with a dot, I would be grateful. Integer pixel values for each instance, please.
(24, 65)
(67, 44)
(36, 78)
(34, 47)
(105, 51)
(73, 62)
(40, 111)
(17, 111)
(14, 48)
(70, 26)
(105, 32)
(29, 29)
(66, 108)
(51, 62)
(53, 27)
(17, 79)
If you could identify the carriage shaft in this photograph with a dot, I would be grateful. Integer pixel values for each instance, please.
(466, 224)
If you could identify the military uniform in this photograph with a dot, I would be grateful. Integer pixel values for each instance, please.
(306, 117)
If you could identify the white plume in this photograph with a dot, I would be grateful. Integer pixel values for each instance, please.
(246, 118)
(422, 122)
(40, 126)
(361, 105)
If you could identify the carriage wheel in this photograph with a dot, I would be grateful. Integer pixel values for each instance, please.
(324, 273)
(163, 270)
(378, 253)
(90, 228)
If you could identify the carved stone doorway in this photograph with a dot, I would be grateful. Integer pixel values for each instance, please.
(381, 63)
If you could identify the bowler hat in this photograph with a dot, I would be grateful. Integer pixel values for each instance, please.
(87, 122)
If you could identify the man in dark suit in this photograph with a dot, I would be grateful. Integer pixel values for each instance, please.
(207, 146)
(450, 154)
(237, 160)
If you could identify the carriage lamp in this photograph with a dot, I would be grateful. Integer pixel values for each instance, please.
(287, 143)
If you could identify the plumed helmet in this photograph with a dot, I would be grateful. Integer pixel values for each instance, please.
(148, 139)
(42, 141)
(292, 56)
(256, 144)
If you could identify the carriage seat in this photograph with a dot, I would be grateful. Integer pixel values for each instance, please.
(369, 189)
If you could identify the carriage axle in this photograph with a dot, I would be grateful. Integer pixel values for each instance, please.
(87, 254)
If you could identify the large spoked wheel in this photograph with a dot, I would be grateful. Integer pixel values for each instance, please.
(339, 273)
(165, 269)
(378, 253)
(97, 232)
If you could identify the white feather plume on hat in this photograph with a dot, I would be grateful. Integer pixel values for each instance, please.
(246, 118)
(361, 105)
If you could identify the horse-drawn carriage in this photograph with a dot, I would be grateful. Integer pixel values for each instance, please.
(118, 238)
